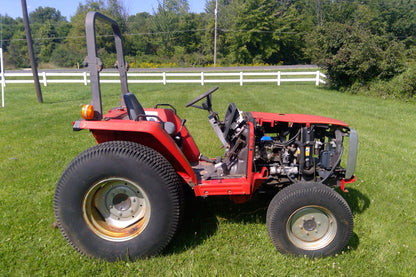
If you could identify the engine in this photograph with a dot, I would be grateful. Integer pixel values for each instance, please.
(287, 152)
(295, 152)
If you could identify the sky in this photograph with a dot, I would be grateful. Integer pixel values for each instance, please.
(67, 8)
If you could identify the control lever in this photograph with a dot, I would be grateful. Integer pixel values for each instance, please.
(178, 136)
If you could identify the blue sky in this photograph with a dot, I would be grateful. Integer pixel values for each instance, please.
(67, 8)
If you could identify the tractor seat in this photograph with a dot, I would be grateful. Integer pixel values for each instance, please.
(136, 112)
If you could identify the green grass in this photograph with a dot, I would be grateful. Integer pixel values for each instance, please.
(220, 238)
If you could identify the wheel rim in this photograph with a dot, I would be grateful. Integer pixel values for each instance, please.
(311, 227)
(116, 209)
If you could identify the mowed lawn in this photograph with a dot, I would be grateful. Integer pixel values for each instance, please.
(220, 238)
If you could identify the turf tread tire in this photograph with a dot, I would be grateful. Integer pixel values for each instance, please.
(300, 195)
(127, 153)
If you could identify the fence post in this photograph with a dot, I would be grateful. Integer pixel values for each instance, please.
(317, 78)
(85, 78)
(3, 82)
(278, 78)
(241, 78)
(202, 78)
(44, 79)
(164, 78)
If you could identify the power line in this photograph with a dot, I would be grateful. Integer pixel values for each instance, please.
(134, 34)
(188, 31)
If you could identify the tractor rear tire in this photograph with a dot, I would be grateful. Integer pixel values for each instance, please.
(119, 200)
(309, 219)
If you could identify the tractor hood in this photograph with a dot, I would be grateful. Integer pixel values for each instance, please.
(296, 118)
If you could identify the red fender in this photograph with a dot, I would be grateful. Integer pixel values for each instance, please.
(149, 133)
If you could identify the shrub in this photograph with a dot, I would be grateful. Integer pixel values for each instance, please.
(401, 86)
(353, 56)
(66, 57)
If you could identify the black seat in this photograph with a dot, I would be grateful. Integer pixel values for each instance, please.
(136, 112)
(133, 106)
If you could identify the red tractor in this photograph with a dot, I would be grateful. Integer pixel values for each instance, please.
(124, 197)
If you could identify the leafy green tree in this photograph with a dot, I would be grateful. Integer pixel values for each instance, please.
(9, 28)
(165, 25)
(17, 50)
(139, 41)
(292, 24)
(46, 14)
(399, 17)
(252, 40)
(117, 11)
(76, 42)
(48, 27)
(190, 36)
(46, 41)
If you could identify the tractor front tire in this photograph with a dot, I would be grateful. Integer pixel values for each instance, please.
(118, 200)
(309, 219)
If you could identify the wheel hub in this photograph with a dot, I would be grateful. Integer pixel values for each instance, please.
(311, 227)
(121, 202)
(116, 209)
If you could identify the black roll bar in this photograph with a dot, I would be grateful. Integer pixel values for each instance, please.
(95, 64)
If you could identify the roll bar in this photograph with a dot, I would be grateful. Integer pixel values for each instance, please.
(95, 64)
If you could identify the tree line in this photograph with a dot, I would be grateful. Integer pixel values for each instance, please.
(356, 42)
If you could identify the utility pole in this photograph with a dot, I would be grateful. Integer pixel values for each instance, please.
(215, 33)
(31, 53)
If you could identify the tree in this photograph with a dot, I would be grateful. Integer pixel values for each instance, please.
(76, 43)
(399, 17)
(292, 24)
(45, 23)
(47, 14)
(165, 25)
(117, 11)
(9, 28)
(45, 42)
(251, 40)
(18, 53)
(175, 6)
(139, 26)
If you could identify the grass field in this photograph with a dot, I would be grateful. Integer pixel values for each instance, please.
(220, 238)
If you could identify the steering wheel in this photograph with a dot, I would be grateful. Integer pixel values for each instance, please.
(202, 96)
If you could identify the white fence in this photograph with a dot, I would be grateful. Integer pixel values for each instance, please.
(170, 77)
